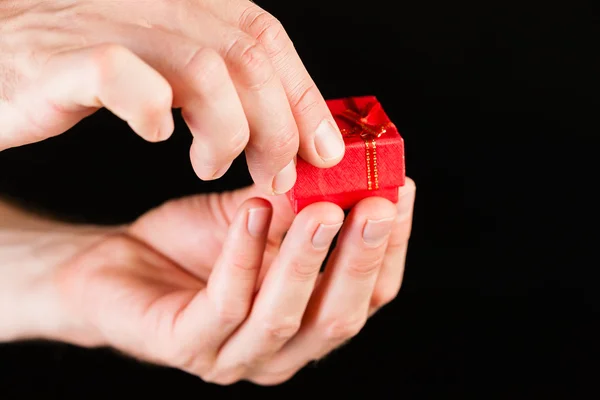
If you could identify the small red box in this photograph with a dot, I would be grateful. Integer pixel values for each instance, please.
(372, 166)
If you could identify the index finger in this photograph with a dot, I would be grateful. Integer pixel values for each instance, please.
(321, 142)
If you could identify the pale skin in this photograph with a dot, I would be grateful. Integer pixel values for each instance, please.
(207, 284)
(201, 284)
(228, 64)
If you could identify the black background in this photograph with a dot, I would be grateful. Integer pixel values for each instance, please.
(497, 104)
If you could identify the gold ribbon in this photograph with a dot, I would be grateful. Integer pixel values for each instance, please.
(369, 133)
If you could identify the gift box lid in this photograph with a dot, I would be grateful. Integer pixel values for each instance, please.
(360, 119)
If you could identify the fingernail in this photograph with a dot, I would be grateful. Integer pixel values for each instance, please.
(258, 221)
(285, 179)
(222, 171)
(324, 235)
(328, 141)
(376, 232)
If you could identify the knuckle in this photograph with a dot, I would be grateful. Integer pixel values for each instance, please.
(304, 270)
(343, 329)
(283, 147)
(269, 31)
(249, 56)
(365, 268)
(244, 263)
(274, 154)
(107, 59)
(265, 28)
(206, 68)
(305, 98)
(281, 329)
(231, 314)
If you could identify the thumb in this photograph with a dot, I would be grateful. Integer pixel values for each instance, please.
(74, 84)
(191, 230)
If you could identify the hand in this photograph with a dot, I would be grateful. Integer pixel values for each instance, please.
(228, 64)
(200, 285)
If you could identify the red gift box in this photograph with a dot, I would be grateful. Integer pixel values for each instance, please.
(372, 166)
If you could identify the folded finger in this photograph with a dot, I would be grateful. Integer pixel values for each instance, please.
(204, 91)
(321, 143)
(75, 83)
(214, 114)
(273, 143)
(201, 86)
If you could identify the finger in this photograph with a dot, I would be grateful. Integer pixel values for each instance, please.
(274, 138)
(189, 216)
(214, 114)
(340, 304)
(391, 274)
(205, 92)
(201, 87)
(73, 84)
(283, 214)
(217, 311)
(273, 142)
(284, 294)
(321, 143)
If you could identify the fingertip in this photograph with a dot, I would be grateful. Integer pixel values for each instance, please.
(322, 213)
(285, 180)
(374, 208)
(160, 133)
(206, 167)
(406, 198)
(409, 187)
(256, 214)
(167, 127)
(221, 172)
(256, 203)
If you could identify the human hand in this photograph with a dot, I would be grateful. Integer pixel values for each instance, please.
(228, 64)
(199, 285)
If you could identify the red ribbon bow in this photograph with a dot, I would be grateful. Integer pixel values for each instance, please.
(360, 118)
(369, 132)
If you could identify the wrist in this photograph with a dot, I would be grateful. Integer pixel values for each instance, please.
(31, 255)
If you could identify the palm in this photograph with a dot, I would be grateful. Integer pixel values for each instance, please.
(179, 286)
(191, 230)
(148, 275)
